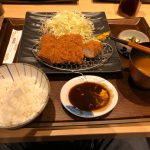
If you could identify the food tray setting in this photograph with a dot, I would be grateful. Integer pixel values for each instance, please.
(132, 106)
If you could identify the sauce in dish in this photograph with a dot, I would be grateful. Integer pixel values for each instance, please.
(89, 96)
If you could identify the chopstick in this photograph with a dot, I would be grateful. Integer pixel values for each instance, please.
(132, 44)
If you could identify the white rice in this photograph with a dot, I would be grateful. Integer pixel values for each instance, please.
(20, 101)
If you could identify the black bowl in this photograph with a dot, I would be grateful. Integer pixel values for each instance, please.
(140, 78)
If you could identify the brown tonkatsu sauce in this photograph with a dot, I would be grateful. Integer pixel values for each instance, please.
(86, 96)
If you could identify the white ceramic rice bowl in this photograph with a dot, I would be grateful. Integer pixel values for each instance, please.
(16, 75)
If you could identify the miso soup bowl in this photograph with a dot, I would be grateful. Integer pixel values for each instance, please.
(141, 79)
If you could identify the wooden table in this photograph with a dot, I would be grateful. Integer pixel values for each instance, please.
(110, 9)
(113, 130)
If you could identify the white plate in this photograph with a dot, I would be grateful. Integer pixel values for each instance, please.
(24, 93)
(64, 95)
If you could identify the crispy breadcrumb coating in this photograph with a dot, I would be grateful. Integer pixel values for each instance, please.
(92, 48)
(66, 48)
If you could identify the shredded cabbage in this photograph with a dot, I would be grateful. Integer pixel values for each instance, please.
(69, 23)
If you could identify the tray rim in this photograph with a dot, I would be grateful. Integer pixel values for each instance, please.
(82, 123)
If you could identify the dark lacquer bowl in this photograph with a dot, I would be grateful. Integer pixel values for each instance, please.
(140, 67)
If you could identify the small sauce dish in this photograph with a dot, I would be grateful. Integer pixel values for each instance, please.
(77, 96)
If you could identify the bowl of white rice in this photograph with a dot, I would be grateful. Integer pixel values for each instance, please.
(24, 93)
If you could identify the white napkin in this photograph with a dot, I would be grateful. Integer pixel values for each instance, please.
(12, 46)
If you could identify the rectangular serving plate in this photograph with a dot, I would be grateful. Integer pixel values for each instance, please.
(31, 34)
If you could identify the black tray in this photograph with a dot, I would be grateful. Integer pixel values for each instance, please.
(31, 34)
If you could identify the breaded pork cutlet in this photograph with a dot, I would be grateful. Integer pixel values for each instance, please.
(92, 48)
(63, 49)
(67, 49)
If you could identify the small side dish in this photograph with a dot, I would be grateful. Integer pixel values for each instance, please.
(88, 96)
(130, 35)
